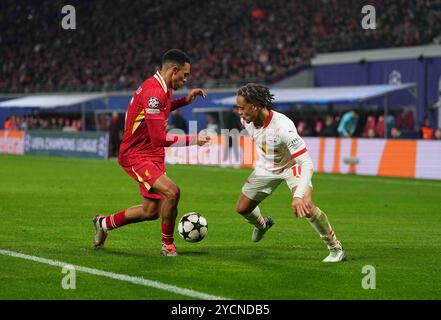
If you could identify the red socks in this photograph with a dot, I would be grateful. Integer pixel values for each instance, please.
(167, 233)
(119, 219)
(116, 220)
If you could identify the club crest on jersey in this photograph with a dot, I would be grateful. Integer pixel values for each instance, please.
(153, 102)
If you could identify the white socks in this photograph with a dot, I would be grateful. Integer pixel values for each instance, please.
(256, 218)
(320, 223)
(104, 225)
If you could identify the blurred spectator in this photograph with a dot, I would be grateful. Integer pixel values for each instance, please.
(390, 124)
(78, 125)
(426, 131)
(318, 127)
(7, 124)
(398, 119)
(330, 129)
(395, 133)
(178, 121)
(348, 124)
(301, 127)
(437, 135)
(22, 124)
(53, 123)
(408, 121)
(379, 127)
(60, 122)
(12, 123)
(369, 127)
(68, 127)
(371, 133)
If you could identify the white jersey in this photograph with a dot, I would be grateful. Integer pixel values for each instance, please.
(277, 143)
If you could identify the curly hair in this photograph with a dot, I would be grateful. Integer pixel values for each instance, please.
(257, 94)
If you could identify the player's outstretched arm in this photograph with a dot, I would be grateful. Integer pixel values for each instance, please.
(191, 96)
(299, 153)
(160, 138)
(299, 206)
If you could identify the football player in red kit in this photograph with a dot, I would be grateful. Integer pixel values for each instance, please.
(142, 153)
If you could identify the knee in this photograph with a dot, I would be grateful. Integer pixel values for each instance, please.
(242, 210)
(173, 194)
(149, 214)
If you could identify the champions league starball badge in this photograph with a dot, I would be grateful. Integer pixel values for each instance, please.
(153, 102)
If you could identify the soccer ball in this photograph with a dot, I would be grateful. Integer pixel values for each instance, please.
(192, 227)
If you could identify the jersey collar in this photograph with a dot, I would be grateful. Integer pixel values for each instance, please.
(161, 81)
(269, 119)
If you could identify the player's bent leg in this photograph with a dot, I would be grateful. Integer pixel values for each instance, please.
(148, 210)
(249, 209)
(245, 205)
(103, 224)
(320, 223)
(170, 194)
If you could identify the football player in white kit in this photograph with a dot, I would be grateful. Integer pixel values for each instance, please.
(283, 156)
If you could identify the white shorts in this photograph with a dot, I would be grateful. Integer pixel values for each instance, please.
(260, 184)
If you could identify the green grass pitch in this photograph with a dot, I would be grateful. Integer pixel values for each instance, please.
(46, 207)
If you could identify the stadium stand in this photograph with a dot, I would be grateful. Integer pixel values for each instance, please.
(230, 41)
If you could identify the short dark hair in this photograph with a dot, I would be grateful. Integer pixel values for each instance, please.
(175, 56)
(257, 94)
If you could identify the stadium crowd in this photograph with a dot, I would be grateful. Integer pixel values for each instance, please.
(116, 44)
(36, 121)
(400, 124)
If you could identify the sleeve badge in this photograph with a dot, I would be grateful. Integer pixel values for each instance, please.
(153, 102)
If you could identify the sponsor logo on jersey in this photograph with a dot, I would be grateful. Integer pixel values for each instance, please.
(294, 142)
(153, 111)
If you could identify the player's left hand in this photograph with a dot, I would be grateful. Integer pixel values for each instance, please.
(203, 139)
(191, 96)
(300, 207)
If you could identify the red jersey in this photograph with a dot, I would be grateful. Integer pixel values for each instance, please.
(146, 120)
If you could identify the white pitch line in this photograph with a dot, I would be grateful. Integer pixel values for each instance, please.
(116, 276)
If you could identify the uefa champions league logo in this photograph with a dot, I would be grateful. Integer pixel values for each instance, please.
(395, 77)
(153, 102)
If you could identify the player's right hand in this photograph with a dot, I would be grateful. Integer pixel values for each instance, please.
(300, 207)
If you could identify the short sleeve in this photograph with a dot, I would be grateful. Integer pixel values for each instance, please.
(154, 104)
(293, 141)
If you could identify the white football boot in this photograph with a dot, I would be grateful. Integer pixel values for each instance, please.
(259, 233)
(336, 254)
(100, 234)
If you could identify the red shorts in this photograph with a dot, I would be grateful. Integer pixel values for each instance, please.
(146, 173)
